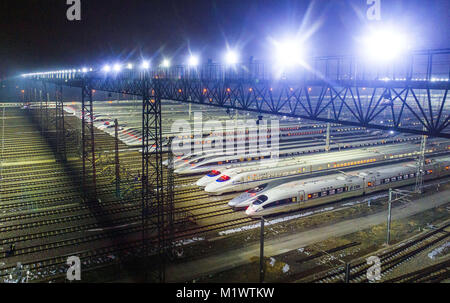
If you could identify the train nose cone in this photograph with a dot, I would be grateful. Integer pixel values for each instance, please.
(204, 181)
(238, 200)
(211, 188)
(249, 211)
(179, 171)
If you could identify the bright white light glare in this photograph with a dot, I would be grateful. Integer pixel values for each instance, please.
(106, 68)
(193, 60)
(145, 64)
(84, 70)
(130, 66)
(385, 45)
(288, 53)
(166, 63)
(231, 57)
(117, 67)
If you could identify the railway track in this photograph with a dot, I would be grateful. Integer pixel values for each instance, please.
(389, 259)
(53, 267)
(434, 273)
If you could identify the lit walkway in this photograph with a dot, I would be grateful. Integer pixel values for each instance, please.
(190, 270)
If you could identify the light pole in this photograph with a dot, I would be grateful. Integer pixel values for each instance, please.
(388, 236)
(404, 194)
(261, 253)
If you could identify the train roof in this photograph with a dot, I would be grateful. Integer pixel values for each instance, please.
(290, 163)
(336, 180)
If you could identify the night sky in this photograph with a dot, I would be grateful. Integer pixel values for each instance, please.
(35, 34)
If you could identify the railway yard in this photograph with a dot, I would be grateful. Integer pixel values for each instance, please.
(324, 231)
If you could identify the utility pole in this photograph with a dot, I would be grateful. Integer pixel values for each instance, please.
(347, 272)
(261, 253)
(116, 135)
(327, 141)
(420, 165)
(401, 195)
(3, 146)
(190, 111)
(388, 235)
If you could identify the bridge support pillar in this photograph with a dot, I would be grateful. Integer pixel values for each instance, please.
(59, 124)
(117, 163)
(88, 143)
(152, 174)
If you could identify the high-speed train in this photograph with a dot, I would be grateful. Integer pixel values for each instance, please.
(306, 193)
(230, 169)
(345, 134)
(243, 200)
(287, 134)
(240, 179)
(207, 164)
(186, 163)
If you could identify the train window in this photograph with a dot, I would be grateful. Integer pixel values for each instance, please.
(214, 173)
(393, 179)
(429, 171)
(270, 205)
(386, 180)
(223, 178)
(400, 178)
(411, 175)
(331, 192)
(405, 177)
(369, 184)
(261, 199)
(323, 194)
(315, 195)
(339, 190)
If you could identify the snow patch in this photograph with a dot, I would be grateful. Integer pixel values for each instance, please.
(274, 221)
(438, 250)
(188, 241)
(272, 261)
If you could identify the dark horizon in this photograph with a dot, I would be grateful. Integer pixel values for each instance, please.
(37, 36)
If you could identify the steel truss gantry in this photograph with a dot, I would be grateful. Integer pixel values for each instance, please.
(407, 96)
(88, 143)
(152, 173)
(60, 130)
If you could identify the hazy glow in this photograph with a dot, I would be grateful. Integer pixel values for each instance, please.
(117, 67)
(130, 66)
(231, 57)
(145, 64)
(106, 68)
(385, 44)
(166, 63)
(84, 70)
(193, 60)
(288, 53)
